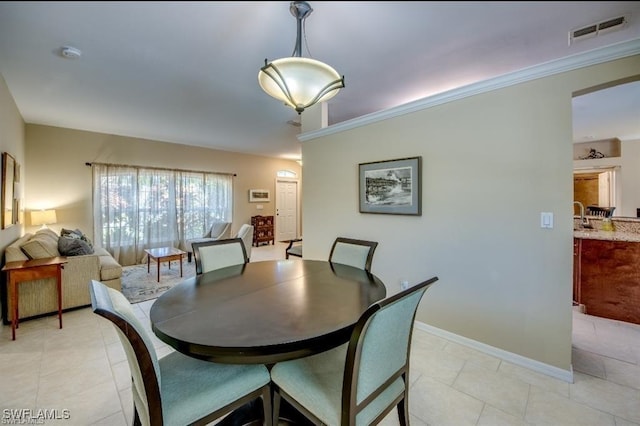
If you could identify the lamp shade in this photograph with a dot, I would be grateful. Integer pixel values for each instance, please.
(43, 217)
(300, 82)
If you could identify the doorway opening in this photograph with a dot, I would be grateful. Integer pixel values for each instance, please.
(287, 202)
(596, 187)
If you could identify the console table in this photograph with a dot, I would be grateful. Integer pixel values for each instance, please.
(29, 270)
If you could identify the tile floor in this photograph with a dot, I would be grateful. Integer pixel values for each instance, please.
(82, 369)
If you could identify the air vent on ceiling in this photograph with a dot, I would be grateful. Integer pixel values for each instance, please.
(598, 29)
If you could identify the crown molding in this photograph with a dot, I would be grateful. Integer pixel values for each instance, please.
(569, 63)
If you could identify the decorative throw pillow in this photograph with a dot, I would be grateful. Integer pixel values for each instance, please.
(72, 246)
(48, 232)
(40, 246)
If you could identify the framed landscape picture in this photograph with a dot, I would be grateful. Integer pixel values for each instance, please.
(259, 195)
(391, 186)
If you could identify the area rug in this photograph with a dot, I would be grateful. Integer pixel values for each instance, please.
(138, 285)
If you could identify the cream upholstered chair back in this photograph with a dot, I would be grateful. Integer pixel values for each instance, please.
(217, 254)
(137, 345)
(177, 389)
(358, 383)
(245, 233)
(352, 252)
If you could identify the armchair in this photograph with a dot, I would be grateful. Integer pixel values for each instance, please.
(218, 231)
(245, 233)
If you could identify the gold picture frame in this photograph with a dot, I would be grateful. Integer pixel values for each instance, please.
(8, 216)
(259, 195)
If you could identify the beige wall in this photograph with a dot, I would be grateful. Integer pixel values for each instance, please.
(491, 164)
(58, 177)
(11, 141)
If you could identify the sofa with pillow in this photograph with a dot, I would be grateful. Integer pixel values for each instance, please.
(85, 263)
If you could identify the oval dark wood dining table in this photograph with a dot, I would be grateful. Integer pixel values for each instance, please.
(265, 312)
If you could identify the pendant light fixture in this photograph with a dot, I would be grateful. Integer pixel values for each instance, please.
(299, 82)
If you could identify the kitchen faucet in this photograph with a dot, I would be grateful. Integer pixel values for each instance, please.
(584, 221)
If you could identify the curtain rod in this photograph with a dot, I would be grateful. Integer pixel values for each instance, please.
(159, 168)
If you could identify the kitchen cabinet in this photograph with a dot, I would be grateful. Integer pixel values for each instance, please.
(577, 244)
(607, 278)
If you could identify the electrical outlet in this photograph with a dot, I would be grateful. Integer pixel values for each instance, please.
(404, 284)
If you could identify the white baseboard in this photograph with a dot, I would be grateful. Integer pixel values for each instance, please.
(531, 364)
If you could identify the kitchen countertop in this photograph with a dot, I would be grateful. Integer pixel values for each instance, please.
(593, 234)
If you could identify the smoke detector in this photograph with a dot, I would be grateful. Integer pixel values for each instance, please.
(70, 52)
(598, 28)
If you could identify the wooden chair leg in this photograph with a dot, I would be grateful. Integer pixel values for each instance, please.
(403, 410)
(267, 406)
(276, 406)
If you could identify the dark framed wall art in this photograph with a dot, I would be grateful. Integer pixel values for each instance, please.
(391, 186)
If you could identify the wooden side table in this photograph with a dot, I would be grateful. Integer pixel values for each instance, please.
(29, 270)
(163, 254)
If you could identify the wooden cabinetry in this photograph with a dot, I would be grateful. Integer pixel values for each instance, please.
(262, 230)
(608, 279)
(577, 245)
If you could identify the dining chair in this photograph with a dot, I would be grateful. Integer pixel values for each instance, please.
(360, 382)
(177, 389)
(352, 252)
(605, 212)
(294, 248)
(216, 254)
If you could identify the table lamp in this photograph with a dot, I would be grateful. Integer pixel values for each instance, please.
(43, 217)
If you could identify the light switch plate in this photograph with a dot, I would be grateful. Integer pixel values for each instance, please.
(546, 220)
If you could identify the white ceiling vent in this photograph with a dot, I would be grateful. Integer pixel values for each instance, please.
(598, 29)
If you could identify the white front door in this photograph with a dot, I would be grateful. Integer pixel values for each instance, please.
(286, 209)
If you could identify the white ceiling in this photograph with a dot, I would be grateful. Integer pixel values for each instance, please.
(186, 72)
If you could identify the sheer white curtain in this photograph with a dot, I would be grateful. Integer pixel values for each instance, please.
(138, 208)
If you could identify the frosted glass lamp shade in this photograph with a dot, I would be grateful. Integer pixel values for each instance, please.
(43, 217)
(299, 82)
